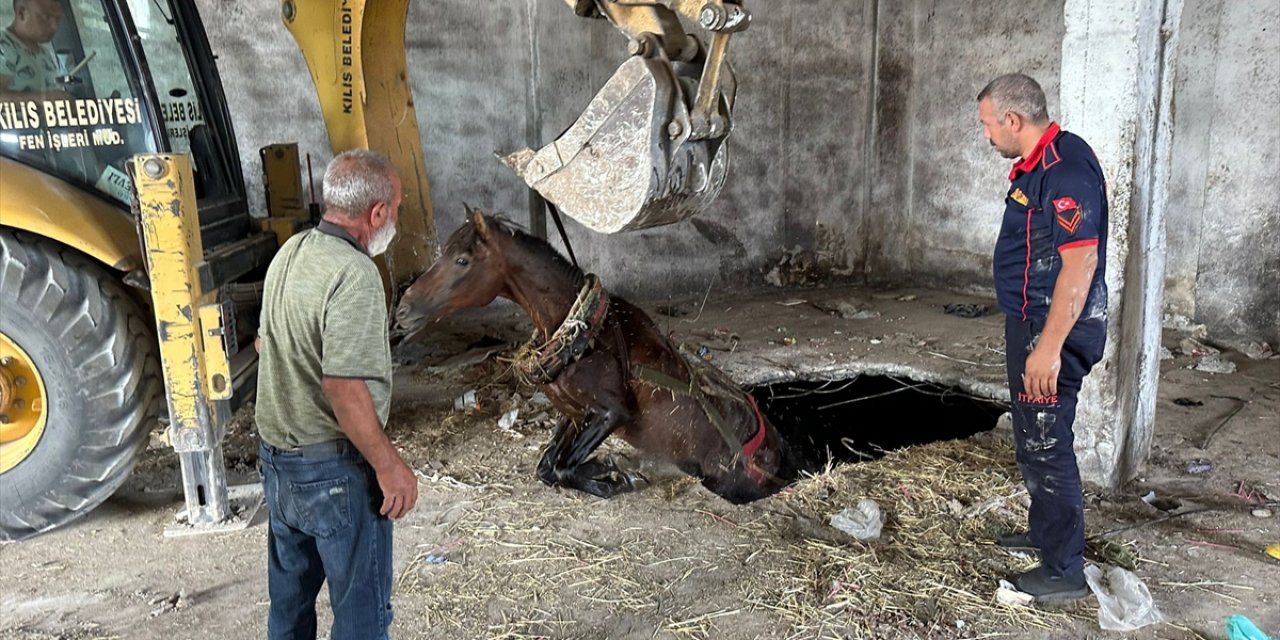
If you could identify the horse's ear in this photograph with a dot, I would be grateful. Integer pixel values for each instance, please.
(477, 219)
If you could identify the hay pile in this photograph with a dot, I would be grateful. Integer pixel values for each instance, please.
(933, 569)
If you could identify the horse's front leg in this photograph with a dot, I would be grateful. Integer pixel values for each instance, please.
(567, 461)
(561, 438)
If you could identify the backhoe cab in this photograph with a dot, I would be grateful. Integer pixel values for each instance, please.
(650, 148)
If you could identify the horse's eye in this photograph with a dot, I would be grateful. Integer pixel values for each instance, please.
(462, 262)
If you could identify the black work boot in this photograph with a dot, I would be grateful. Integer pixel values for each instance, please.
(1049, 588)
(1017, 542)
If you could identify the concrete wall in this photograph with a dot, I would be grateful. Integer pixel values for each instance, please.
(856, 136)
(939, 187)
(1223, 221)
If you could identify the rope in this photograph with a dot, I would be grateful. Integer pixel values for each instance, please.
(538, 364)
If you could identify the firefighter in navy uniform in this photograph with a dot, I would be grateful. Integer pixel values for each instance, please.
(1049, 269)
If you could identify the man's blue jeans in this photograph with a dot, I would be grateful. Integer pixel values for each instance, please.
(1044, 440)
(324, 525)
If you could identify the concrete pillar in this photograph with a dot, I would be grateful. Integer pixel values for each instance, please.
(1115, 93)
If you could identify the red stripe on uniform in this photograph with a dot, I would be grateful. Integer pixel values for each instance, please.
(1079, 243)
(1026, 272)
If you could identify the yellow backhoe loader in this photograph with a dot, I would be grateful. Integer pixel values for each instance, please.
(128, 254)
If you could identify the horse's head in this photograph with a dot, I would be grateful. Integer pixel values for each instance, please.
(768, 470)
(470, 273)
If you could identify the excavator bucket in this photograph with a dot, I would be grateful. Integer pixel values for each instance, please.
(630, 162)
(650, 148)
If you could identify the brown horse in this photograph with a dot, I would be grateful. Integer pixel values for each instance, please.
(605, 367)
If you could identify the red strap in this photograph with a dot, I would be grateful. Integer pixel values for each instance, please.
(749, 449)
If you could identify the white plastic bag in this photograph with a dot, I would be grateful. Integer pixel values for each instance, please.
(508, 420)
(862, 522)
(1124, 602)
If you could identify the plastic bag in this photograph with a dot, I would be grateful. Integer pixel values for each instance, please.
(1007, 594)
(862, 522)
(1124, 602)
(1242, 628)
(508, 420)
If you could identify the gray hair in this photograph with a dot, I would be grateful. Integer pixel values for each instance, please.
(356, 180)
(1019, 94)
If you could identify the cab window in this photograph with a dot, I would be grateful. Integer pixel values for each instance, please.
(179, 104)
(181, 112)
(67, 105)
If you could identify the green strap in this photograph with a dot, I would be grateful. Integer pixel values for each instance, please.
(693, 390)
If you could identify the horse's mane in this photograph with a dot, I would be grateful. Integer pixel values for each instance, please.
(467, 236)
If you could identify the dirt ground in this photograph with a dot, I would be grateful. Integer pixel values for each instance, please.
(673, 561)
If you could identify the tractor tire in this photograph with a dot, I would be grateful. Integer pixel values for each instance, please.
(94, 355)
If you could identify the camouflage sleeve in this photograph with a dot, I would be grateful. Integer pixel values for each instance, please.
(8, 59)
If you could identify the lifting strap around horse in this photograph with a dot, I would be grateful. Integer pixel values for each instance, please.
(704, 383)
(555, 215)
(541, 364)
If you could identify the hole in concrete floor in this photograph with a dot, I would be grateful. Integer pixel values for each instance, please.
(863, 418)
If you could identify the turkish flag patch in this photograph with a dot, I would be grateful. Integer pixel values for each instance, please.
(1068, 213)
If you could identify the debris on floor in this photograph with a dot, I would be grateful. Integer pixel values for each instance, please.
(1214, 364)
(1124, 602)
(1184, 324)
(1241, 628)
(1196, 467)
(166, 603)
(466, 402)
(719, 339)
(1206, 358)
(1163, 504)
(674, 310)
(862, 522)
(1248, 494)
(1257, 351)
(848, 309)
(1196, 349)
(1008, 595)
(966, 310)
(508, 420)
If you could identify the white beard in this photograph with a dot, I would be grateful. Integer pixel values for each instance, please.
(381, 239)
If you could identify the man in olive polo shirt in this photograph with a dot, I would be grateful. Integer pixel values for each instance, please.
(332, 478)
